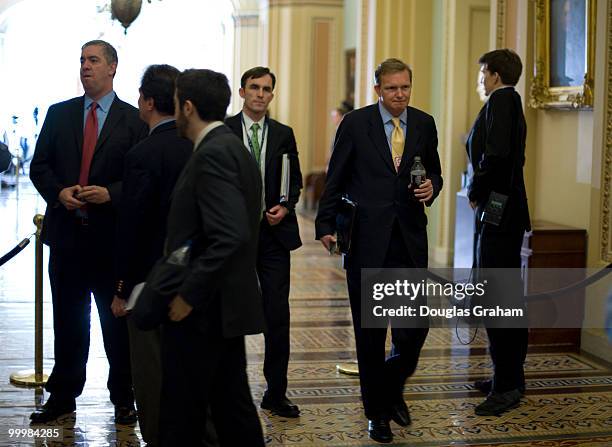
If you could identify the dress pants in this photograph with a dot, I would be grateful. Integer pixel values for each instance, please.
(382, 379)
(201, 371)
(145, 353)
(273, 267)
(76, 271)
(507, 346)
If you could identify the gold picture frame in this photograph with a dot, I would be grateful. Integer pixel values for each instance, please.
(564, 54)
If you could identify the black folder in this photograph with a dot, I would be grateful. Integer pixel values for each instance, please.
(345, 220)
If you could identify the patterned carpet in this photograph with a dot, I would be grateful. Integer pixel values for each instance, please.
(568, 400)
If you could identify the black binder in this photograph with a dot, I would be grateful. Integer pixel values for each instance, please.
(345, 220)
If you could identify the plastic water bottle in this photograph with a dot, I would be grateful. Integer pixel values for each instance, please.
(417, 173)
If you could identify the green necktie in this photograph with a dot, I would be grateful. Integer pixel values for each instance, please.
(255, 141)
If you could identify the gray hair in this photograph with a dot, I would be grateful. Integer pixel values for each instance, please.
(110, 54)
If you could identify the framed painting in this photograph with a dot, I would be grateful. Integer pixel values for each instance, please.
(564, 54)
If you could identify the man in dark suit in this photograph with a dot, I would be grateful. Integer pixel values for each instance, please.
(268, 141)
(151, 170)
(77, 168)
(496, 148)
(216, 210)
(374, 149)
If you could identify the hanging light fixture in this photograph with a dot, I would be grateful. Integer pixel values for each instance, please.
(125, 11)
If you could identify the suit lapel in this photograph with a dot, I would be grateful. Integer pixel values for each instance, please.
(273, 142)
(76, 117)
(379, 138)
(114, 115)
(412, 139)
(271, 136)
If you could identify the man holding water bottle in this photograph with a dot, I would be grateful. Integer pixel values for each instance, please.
(375, 150)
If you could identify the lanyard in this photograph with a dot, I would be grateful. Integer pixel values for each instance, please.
(263, 135)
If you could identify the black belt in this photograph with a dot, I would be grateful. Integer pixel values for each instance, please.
(82, 221)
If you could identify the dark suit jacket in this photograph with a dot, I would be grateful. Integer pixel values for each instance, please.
(280, 140)
(57, 161)
(216, 204)
(496, 148)
(151, 170)
(5, 157)
(361, 167)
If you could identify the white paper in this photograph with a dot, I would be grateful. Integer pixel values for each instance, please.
(134, 296)
(285, 175)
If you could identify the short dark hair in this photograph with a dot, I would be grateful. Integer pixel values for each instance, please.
(506, 63)
(208, 90)
(158, 82)
(390, 66)
(256, 73)
(110, 54)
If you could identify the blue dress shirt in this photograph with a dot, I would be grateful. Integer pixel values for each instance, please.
(104, 105)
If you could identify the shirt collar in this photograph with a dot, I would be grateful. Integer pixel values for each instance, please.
(248, 122)
(386, 115)
(104, 103)
(164, 121)
(206, 131)
(500, 88)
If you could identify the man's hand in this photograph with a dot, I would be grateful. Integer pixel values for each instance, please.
(94, 194)
(118, 307)
(276, 214)
(179, 308)
(68, 199)
(328, 241)
(474, 205)
(424, 192)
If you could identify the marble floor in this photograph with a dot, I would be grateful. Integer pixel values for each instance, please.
(568, 400)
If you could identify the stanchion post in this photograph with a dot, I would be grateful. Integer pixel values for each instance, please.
(38, 300)
(349, 368)
(36, 377)
(17, 167)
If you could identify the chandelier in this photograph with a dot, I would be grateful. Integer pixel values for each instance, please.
(125, 11)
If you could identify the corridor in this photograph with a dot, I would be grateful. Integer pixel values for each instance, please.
(568, 399)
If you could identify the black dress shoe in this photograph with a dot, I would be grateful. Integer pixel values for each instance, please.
(485, 386)
(498, 403)
(125, 414)
(52, 409)
(281, 407)
(380, 431)
(400, 414)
